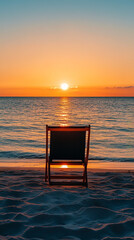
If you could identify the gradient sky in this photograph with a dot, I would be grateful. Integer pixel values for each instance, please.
(88, 44)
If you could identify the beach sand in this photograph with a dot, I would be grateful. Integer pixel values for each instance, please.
(31, 209)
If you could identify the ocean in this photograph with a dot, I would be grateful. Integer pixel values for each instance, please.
(23, 122)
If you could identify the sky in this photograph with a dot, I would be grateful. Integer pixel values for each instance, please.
(89, 44)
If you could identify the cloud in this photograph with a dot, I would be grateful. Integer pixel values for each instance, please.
(120, 87)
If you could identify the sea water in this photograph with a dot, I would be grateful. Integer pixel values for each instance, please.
(23, 125)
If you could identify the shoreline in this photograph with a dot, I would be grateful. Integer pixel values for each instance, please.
(93, 166)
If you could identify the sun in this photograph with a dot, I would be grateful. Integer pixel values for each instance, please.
(64, 86)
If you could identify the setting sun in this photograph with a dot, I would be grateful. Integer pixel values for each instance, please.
(64, 86)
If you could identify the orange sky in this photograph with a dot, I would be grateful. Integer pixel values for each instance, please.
(90, 91)
(40, 50)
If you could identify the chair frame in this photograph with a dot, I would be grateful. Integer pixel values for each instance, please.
(48, 176)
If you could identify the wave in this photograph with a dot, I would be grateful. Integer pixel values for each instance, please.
(21, 155)
(30, 155)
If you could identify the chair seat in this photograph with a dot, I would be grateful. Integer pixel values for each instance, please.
(67, 162)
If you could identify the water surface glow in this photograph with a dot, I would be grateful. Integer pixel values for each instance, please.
(23, 122)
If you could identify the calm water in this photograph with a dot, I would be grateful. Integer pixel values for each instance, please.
(23, 120)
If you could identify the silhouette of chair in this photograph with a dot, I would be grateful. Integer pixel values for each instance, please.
(68, 145)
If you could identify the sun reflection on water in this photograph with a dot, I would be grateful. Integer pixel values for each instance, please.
(64, 166)
(64, 111)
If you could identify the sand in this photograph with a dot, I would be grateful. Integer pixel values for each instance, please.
(31, 209)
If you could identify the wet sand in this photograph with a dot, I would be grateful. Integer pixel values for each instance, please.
(93, 165)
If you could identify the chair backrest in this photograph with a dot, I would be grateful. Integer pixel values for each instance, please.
(67, 143)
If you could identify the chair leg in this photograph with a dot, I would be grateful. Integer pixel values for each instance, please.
(85, 182)
(84, 175)
(46, 173)
(49, 173)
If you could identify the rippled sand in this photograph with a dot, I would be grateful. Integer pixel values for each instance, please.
(30, 209)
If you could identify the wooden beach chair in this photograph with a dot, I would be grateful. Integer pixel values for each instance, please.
(68, 145)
